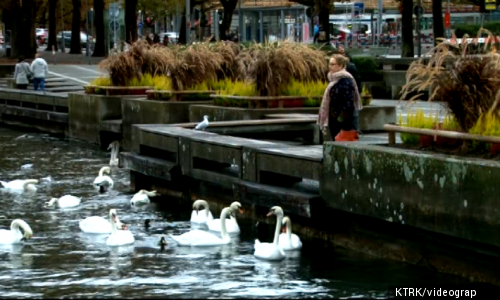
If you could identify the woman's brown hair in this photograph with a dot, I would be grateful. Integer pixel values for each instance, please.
(340, 59)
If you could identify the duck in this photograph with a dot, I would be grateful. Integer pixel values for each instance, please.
(65, 201)
(203, 216)
(103, 181)
(200, 238)
(162, 243)
(289, 240)
(26, 185)
(14, 235)
(115, 149)
(271, 251)
(142, 197)
(99, 225)
(118, 237)
(231, 224)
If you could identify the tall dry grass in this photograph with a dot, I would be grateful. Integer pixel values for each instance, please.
(465, 76)
(272, 65)
(141, 59)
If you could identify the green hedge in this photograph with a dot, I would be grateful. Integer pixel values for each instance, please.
(472, 29)
(368, 68)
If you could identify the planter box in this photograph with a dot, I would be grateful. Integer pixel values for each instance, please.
(117, 90)
(190, 95)
(260, 102)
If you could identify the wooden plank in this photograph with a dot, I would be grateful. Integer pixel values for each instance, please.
(111, 126)
(311, 153)
(149, 166)
(249, 122)
(36, 114)
(218, 153)
(289, 166)
(214, 177)
(162, 142)
(249, 159)
(289, 116)
(443, 133)
(292, 202)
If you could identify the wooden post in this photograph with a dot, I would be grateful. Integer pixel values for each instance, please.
(392, 138)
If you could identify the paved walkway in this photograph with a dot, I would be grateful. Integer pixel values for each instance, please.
(57, 58)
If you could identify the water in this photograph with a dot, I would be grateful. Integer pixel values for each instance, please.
(62, 262)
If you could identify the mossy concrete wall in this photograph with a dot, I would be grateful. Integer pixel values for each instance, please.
(87, 111)
(371, 118)
(441, 193)
(144, 111)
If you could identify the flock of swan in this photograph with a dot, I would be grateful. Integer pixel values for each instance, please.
(119, 234)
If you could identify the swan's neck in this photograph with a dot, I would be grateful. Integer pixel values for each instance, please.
(113, 224)
(150, 194)
(28, 182)
(103, 169)
(204, 204)
(278, 229)
(289, 230)
(52, 201)
(16, 224)
(223, 229)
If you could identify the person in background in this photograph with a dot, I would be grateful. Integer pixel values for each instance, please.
(156, 39)
(21, 73)
(165, 40)
(341, 103)
(40, 70)
(351, 67)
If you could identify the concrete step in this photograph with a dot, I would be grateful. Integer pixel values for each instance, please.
(65, 89)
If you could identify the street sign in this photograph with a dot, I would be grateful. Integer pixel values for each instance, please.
(139, 25)
(114, 25)
(358, 7)
(289, 21)
(114, 10)
(447, 22)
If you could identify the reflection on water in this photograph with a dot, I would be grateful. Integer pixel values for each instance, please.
(60, 261)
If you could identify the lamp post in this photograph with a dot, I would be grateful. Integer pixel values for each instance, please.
(87, 50)
(140, 22)
(63, 50)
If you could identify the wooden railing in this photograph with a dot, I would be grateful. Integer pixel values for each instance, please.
(392, 129)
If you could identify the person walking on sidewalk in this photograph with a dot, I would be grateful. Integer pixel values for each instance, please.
(22, 74)
(40, 70)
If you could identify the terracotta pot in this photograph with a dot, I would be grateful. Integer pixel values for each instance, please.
(151, 95)
(426, 140)
(286, 103)
(495, 149)
(89, 89)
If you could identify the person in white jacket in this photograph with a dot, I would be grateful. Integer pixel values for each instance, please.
(21, 73)
(40, 70)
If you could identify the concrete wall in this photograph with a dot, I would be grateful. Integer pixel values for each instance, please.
(144, 111)
(371, 118)
(457, 197)
(87, 111)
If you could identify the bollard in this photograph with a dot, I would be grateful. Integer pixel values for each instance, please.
(54, 53)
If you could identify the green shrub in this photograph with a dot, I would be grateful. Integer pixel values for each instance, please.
(472, 29)
(368, 68)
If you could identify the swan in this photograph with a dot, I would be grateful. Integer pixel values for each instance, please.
(14, 235)
(103, 181)
(271, 251)
(115, 149)
(289, 240)
(99, 225)
(201, 217)
(27, 185)
(231, 224)
(118, 237)
(202, 238)
(142, 197)
(65, 201)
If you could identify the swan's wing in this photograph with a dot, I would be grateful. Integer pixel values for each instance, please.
(3, 184)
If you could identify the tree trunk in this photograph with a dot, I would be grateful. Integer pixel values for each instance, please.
(324, 7)
(229, 7)
(76, 43)
(52, 39)
(437, 20)
(23, 30)
(182, 33)
(130, 21)
(99, 28)
(407, 48)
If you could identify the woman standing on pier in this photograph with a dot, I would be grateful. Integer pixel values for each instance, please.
(339, 110)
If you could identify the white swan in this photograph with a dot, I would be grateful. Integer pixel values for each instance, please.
(271, 251)
(202, 238)
(14, 235)
(115, 149)
(231, 224)
(103, 181)
(65, 201)
(99, 225)
(142, 197)
(118, 237)
(289, 240)
(27, 185)
(203, 216)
